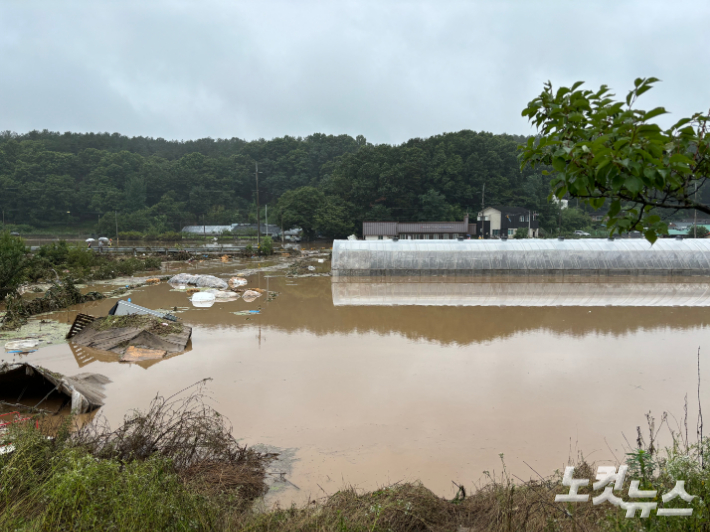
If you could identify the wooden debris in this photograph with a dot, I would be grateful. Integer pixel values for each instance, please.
(140, 354)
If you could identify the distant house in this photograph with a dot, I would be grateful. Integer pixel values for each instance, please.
(418, 230)
(234, 229)
(495, 222)
(250, 230)
(211, 230)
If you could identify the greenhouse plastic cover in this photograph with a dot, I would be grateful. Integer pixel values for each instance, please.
(527, 256)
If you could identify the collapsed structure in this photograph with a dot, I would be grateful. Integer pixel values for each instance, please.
(135, 337)
(21, 380)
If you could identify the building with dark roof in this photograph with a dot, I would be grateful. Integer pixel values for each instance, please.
(418, 230)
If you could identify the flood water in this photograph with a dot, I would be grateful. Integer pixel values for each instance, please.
(371, 394)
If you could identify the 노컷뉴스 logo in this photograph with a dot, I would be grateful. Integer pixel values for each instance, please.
(608, 474)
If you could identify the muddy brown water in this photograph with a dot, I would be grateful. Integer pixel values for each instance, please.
(371, 395)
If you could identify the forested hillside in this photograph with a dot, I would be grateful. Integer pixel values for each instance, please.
(327, 183)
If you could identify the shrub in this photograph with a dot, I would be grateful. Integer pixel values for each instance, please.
(521, 232)
(267, 246)
(130, 235)
(171, 236)
(152, 263)
(151, 236)
(56, 252)
(13, 261)
(81, 258)
(702, 231)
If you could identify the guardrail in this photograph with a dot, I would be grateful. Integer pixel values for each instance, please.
(194, 250)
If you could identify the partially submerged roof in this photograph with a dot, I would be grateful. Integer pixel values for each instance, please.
(85, 390)
(117, 333)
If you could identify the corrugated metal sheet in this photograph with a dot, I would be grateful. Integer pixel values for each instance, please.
(474, 257)
(379, 228)
(404, 228)
(432, 227)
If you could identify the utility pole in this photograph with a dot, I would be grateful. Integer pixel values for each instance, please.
(115, 214)
(266, 215)
(695, 213)
(529, 221)
(258, 221)
(283, 236)
(483, 195)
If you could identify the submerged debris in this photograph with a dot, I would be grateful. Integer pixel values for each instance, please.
(117, 333)
(200, 281)
(140, 354)
(250, 295)
(22, 380)
(203, 299)
(235, 282)
(59, 296)
(21, 346)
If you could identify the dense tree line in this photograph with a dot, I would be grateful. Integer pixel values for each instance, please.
(326, 184)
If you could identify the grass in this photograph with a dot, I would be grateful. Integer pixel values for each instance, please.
(174, 467)
(177, 467)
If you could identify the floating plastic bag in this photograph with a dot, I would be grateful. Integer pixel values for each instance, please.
(203, 299)
(21, 345)
(235, 282)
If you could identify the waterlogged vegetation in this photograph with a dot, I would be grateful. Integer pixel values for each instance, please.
(177, 467)
(174, 467)
(18, 265)
(83, 263)
(58, 296)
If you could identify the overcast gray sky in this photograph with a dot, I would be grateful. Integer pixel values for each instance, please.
(389, 70)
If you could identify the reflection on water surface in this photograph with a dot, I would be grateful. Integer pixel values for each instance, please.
(368, 395)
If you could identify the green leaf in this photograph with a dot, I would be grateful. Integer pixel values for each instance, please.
(680, 158)
(681, 123)
(559, 164)
(655, 112)
(614, 208)
(643, 89)
(650, 235)
(634, 185)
